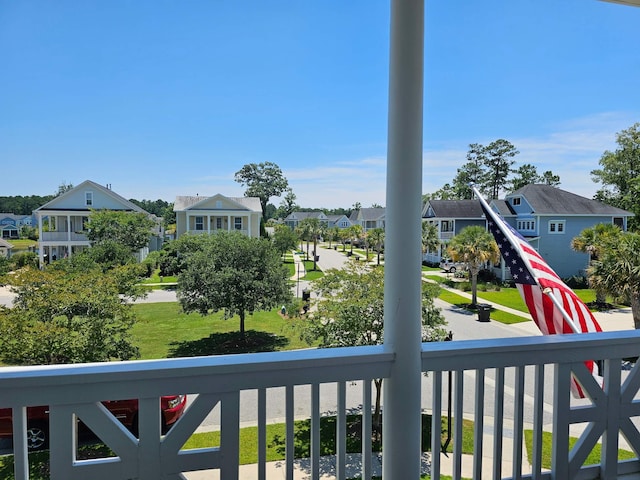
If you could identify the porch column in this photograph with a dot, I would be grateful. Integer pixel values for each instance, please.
(402, 285)
(68, 229)
(248, 217)
(228, 223)
(209, 224)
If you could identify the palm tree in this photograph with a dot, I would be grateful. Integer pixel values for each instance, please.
(617, 270)
(591, 241)
(345, 234)
(430, 238)
(333, 234)
(474, 246)
(376, 237)
(304, 233)
(356, 232)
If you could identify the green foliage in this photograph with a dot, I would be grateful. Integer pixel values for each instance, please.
(284, 239)
(130, 229)
(159, 208)
(24, 259)
(617, 270)
(619, 174)
(66, 317)
(20, 205)
(233, 273)
(263, 180)
(5, 265)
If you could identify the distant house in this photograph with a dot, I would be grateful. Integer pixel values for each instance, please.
(10, 224)
(5, 248)
(450, 217)
(62, 221)
(206, 215)
(294, 218)
(340, 221)
(548, 217)
(369, 218)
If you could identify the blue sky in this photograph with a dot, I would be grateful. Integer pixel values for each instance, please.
(163, 98)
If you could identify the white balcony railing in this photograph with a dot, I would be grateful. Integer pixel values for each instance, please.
(63, 237)
(505, 386)
(216, 230)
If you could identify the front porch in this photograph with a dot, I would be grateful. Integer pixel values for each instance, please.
(508, 388)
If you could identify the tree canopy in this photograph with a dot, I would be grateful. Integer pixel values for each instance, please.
(66, 315)
(130, 229)
(619, 173)
(263, 180)
(617, 270)
(233, 273)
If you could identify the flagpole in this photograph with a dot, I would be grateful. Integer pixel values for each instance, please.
(509, 236)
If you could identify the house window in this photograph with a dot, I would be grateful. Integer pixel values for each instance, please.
(218, 204)
(200, 223)
(526, 225)
(88, 198)
(237, 223)
(344, 224)
(556, 226)
(218, 223)
(617, 221)
(446, 226)
(515, 201)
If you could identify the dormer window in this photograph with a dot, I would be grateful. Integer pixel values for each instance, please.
(218, 204)
(515, 201)
(88, 199)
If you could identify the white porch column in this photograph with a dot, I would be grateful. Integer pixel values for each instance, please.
(248, 217)
(68, 228)
(228, 223)
(209, 224)
(402, 285)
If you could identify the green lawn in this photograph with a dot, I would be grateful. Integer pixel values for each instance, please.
(163, 330)
(22, 244)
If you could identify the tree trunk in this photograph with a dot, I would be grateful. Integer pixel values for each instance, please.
(635, 309)
(315, 252)
(601, 295)
(242, 324)
(474, 287)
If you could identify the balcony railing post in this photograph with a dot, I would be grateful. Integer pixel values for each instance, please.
(402, 295)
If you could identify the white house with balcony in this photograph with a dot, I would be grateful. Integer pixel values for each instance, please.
(197, 215)
(61, 222)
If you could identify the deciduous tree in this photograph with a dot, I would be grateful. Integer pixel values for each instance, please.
(350, 311)
(263, 180)
(69, 316)
(233, 273)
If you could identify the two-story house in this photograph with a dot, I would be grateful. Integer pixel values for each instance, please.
(294, 218)
(62, 221)
(340, 221)
(198, 215)
(546, 216)
(549, 218)
(11, 224)
(369, 218)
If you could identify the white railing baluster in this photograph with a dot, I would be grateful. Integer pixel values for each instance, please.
(518, 414)
(561, 414)
(478, 432)
(458, 420)
(262, 433)
(20, 458)
(315, 431)
(538, 411)
(289, 432)
(230, 435)
(610, 443)
(498, 423)
(366, 428)
(436, 423)
(341, 432)
(149, 426)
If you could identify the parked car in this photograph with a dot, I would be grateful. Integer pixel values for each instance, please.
(450, 266)
(126, 411)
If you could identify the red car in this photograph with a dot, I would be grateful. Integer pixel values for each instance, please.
(124, 410)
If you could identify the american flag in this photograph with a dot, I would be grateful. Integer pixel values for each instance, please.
(537, 283)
